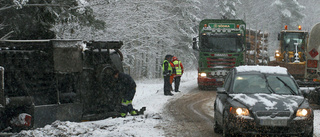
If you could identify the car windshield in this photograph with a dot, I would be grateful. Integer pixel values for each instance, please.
(259, 83)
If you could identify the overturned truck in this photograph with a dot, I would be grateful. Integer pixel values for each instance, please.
(47, 80)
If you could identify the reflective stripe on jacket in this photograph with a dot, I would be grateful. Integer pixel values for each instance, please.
(178, 68)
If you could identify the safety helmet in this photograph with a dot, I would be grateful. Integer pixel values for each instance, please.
(174, 58)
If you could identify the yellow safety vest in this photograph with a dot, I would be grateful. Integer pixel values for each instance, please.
(177, 66)
(169, 66)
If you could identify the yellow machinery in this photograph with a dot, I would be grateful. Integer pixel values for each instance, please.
(292, 52)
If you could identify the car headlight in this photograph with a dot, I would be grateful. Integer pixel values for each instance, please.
(303, 112)
(203, 74)
(239, 111)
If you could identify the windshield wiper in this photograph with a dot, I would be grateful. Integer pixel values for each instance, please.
(291, 90)
(269, 87)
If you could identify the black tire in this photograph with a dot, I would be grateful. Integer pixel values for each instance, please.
(217, 128)
(225, 130)
(201, 87)
(310, 134)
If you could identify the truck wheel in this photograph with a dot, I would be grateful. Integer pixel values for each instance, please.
(201, 87)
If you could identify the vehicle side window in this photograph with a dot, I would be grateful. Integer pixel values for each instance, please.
(228, 81)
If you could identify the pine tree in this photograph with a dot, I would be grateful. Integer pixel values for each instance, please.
(149, 30)
(34, 19)
(228, 8)
(290, 13)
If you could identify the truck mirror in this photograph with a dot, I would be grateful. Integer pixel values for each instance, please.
(194, 46)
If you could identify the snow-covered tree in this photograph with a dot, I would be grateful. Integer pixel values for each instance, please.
(149, 30)
(312, 12)
(34, 19)
(228, 8)
(290, 12)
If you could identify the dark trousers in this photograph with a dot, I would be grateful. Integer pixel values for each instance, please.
(177, 83)
(128, 97)
(167, 85)
(130, 94)
(125, 109)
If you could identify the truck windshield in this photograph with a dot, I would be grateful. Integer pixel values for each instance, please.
(290, 38)
(220, 44)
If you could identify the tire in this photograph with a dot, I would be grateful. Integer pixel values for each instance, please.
(201, 87)
(217, 128)
(310, 134)
(225, 130)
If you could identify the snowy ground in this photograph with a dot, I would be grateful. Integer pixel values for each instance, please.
(149, 94)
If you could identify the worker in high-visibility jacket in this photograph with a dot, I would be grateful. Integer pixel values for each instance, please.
(167, 71)
(172, 75)
(179, 71)
(127, 89)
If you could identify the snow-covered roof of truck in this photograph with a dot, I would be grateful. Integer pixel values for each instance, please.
(263, 69)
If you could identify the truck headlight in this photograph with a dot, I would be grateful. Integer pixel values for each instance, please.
(277, 53)
(203, 74)
(303, 112)
(239, 111)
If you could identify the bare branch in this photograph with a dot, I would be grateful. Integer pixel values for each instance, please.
(46, 5)
(5, 8)
(6, 36)
(35, 5)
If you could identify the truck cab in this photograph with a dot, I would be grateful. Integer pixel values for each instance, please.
(292, 42)
(221, 46)
(292, 52)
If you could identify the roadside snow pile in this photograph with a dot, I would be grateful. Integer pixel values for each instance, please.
(129, 126)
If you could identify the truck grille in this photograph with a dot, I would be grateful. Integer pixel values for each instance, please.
(223, 61)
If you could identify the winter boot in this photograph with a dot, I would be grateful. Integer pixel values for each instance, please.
(123, 115)
(141, 111)
(133, 113)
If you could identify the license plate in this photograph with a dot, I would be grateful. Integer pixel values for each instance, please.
(219, 79)
(273, 122)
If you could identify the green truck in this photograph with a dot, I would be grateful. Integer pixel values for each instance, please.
(221, 46)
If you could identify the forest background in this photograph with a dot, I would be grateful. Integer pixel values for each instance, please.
(150, 29)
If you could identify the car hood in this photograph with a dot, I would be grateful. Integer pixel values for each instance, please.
(269, 102)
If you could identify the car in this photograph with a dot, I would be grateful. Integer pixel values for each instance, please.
(262, 100)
